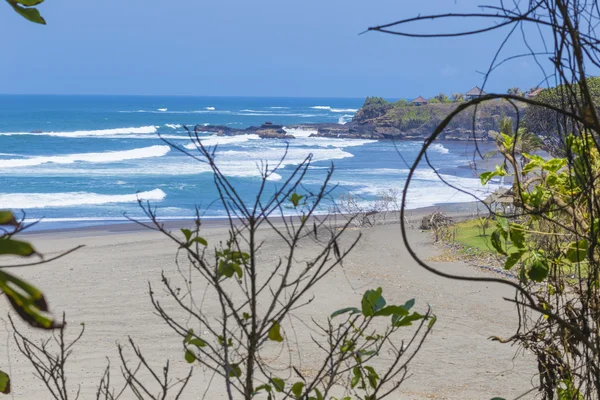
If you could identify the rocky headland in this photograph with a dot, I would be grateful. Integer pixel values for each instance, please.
(379, 119)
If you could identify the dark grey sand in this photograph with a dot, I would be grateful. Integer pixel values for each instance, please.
(105, 285)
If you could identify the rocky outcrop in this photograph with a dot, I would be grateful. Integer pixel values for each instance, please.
(379, 119)
(267, 130)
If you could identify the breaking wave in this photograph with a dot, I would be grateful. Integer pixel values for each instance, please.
(335, 110)
(221, 140)
(106, 157)
(91, 133)
(69, 199)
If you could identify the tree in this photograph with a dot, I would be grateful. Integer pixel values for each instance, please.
(442, 98)
(515, 91)
(458, 97)
(552, 243)
(543, 120)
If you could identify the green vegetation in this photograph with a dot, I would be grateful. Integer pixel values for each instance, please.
(543, 121)
(469, 233)
(26, 9)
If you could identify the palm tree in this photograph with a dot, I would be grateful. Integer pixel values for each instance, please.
(515, 91)
(458, 97)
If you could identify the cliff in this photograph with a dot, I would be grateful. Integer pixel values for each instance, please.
(379, 119)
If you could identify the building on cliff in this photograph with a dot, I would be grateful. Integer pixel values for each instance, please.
(419, 101)
(474, 93)
(534, 92)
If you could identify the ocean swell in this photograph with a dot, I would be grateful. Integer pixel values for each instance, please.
(106, 157)
(91, 133)
(70, 199)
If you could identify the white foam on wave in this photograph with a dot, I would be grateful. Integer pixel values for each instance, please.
(344, 119)
(162, 109)
(279, 108)
(272, 114)
(106, 157)
(437, 147)
(93, 133)
(234, 163)
(426, 188)
(335, 110)
(173, 126)
(210, 108)
(303, 138)
(70, 199)
(222, 140)
(300, 133)
(332, 142)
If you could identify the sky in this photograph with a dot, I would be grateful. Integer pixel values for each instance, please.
(276, 48)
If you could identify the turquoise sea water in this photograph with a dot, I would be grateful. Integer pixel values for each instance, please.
(83, 160)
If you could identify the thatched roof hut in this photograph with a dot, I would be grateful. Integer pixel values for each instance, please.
(419, 101)
(475, 92)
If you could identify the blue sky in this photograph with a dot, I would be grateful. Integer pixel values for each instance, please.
(308, 48)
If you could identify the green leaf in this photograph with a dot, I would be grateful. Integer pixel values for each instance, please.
(319, 395)
(554, 164)
(190, 357)
(235, 371)
(391, 310)
(31, 14)
(432, 322)
(356, 378)
(278, 384)
(15, 247)
(372, 376)
(504, 226)
(513, 258)
(577, 251)
(263, 387)
(539, 269)
(517, 235)
(200, 240)
(193, 340)
(8, 218)
(487, 176)
(406, 321)
(372, 302)
(275, 333)
(29, 3)
(297, 389)
(409, 304)
(295, 199)
(497, 242)
(352, 310)
(187, 233)
(27, 301)
(4, 383)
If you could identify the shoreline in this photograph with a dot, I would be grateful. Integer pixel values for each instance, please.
(459, 210)
(105, 286)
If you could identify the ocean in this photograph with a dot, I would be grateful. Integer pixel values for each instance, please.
(73, 161)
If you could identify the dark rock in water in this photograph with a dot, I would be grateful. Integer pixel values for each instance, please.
(268, 130)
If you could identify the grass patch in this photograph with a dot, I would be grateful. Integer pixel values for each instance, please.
(468, 233)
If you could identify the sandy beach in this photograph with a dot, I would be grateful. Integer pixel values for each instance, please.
(105, 286)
